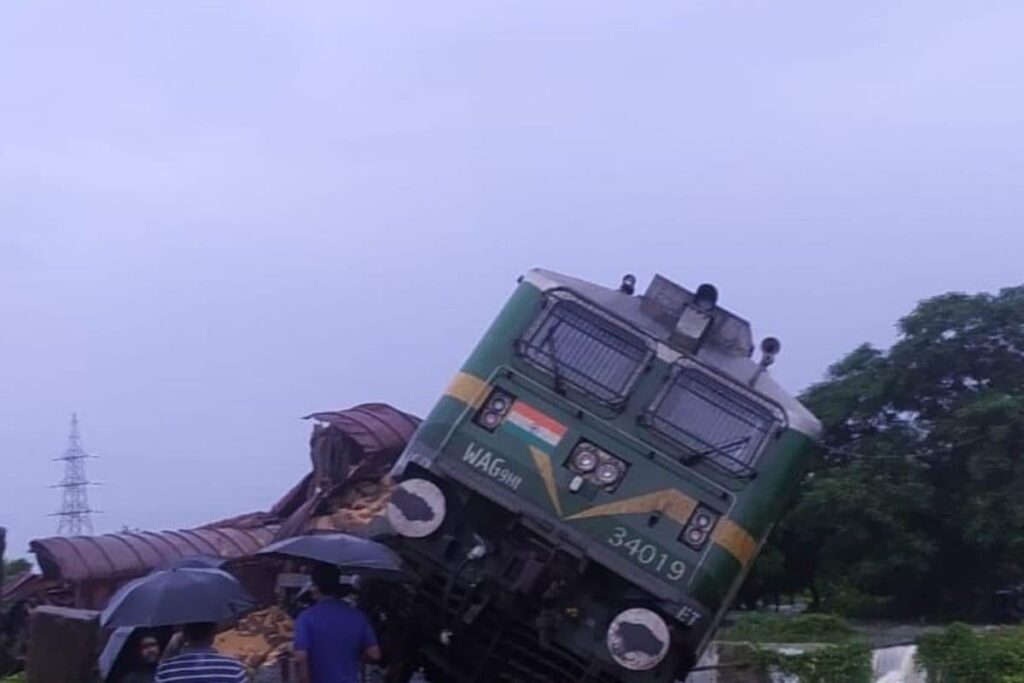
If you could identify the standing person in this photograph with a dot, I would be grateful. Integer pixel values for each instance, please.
(147, 656)
(198, 662)
(332, 637)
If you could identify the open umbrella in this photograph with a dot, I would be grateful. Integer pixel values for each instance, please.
(111, 651)
(178, 596)
(196, 562)
(353, 555)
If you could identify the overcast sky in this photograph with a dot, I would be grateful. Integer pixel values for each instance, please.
(218, 217)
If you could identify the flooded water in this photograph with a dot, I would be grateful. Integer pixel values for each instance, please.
(889, 665)
(896, 665)
(710, 658)
(784, 678)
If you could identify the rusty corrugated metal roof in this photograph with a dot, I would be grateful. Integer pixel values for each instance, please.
(380, 430)
(377, 427)
(14, 588)
(127, 555)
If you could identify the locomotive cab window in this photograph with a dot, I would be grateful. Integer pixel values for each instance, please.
(582, 348)
(712, 421)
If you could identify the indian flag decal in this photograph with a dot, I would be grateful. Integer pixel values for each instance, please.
(526, 422)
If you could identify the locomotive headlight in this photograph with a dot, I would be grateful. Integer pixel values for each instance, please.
(695, 536)
(584, 458)
(596, 465)
(698, 529)
(608, 473)
(494, 409)
(704, 520)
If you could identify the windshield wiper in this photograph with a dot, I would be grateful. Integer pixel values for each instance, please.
(724, 448)
(556, 366)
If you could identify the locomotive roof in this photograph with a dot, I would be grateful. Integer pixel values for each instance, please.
(728, 347)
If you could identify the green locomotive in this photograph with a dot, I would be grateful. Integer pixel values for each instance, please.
(585, 499)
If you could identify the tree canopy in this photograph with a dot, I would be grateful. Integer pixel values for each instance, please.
(916, 505)
(15, 567)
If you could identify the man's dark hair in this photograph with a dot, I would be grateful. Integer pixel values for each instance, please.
(145, 634)
(200, 633)
(326, 578)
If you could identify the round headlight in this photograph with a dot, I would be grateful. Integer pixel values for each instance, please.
(584, 460)
(608, 473)
(702, 520)
(499, 404)
(490, 419)
(694, 536)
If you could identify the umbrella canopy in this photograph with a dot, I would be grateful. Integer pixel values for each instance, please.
(178, 596)
(353, 555)
(115, 644)
(197, 562)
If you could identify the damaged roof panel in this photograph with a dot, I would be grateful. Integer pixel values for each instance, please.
(376, 427)
(127, 555)
(380, 432)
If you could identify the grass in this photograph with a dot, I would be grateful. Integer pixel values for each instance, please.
(774, 628)
(961, 653)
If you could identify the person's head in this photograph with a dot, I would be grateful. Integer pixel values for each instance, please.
(200, 634)
(148, 649)
(326, 580)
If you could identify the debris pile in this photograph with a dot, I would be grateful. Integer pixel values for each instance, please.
(354, 507)
(346, 489)
(260, 639)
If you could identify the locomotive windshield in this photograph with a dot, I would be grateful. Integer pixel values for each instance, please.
(712, 421)
(583, 349)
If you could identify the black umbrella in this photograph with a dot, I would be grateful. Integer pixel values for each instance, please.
(178, 596)
(112, 650)
(196, 562)
(353, 555)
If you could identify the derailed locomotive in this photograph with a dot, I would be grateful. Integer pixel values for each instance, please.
(586, 497)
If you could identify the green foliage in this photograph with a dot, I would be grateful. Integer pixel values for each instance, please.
(757, 627)
(15, 567)
(913, 506)
(16, 678)
(847, 663)
(962, 654)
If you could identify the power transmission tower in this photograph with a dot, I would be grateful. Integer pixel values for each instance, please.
(75, 513)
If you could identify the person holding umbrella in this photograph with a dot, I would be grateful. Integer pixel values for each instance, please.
(332, 638)
(131, 655)
(198, 597)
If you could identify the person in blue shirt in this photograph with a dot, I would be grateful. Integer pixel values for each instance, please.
(332, 638)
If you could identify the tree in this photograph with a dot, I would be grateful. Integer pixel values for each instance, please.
(15, 567)
(915, 505)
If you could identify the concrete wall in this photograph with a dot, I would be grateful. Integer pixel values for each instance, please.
(62, 645)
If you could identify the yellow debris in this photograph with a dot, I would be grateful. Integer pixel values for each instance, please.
(259, 639)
